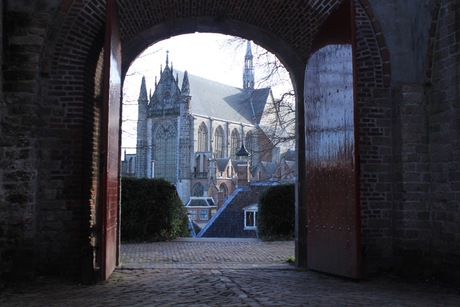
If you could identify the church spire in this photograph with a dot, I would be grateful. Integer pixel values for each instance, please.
(143, 92)
(185, 85)
(248, 72)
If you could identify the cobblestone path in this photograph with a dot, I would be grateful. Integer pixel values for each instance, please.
(223, 273)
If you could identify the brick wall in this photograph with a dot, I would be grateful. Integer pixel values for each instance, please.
(375, 139)
(70, 152)
(444, 145)
(47, 176)
(50, 124)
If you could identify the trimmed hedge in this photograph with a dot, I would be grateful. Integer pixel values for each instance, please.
(151, 210)
(276, 214)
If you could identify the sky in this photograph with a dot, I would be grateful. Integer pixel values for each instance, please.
(211, 56)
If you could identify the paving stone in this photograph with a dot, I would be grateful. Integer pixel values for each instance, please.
(223, 273)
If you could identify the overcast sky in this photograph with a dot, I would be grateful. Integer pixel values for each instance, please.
(206, 55)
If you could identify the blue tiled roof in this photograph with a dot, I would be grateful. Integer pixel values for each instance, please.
(228, 222)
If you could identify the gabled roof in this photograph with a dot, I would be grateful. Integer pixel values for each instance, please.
(221, 164)
(268, 167)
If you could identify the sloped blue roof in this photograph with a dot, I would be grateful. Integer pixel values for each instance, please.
(228, 222)
(217, 100)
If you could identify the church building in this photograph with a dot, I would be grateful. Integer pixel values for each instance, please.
(190, 131)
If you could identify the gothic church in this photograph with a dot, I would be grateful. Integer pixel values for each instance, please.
(190, 133)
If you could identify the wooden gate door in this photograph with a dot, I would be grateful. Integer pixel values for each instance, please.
(333, 216)
(111, 141)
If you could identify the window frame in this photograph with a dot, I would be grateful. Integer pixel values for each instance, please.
(204, 217)
(253, 209)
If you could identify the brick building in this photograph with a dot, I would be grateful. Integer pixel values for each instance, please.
(377, 139)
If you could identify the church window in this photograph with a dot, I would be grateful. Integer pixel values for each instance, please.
(202, 138)
(198, 190)
(165, 152)
(167, 97)
(219, 143)
(235, 140)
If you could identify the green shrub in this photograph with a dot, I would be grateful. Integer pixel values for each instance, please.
(151, 210)
(276, 215)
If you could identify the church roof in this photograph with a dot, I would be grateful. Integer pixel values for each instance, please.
(217, 100)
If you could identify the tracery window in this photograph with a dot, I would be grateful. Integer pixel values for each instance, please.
(234, 143)
(219, 143)
(202, 138)
(165, 152)
(167, 97)
(198, 190)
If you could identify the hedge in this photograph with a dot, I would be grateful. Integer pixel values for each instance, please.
(151, 210)
(276, 214)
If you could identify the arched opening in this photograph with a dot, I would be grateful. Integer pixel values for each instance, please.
(219, 110)
(292, 47)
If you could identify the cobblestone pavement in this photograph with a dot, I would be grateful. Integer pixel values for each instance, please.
(223, 273)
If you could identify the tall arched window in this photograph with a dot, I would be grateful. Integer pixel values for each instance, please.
(165, 152)
(202, 138)
(248, 142)
(223, 188)
(219, 143)
(234, 143)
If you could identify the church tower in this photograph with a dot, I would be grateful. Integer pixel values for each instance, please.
(248, 72)
(185, 142)
(142, 138)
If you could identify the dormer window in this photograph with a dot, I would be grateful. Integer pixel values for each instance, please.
(250, 217)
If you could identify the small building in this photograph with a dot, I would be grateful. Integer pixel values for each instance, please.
(200, 210)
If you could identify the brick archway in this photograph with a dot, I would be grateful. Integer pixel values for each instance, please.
(72, 64)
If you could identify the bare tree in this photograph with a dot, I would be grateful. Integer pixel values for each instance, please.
(279, 117)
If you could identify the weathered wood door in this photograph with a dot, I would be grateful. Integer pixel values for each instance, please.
(331, 153)
(111, 141)
(333, 219)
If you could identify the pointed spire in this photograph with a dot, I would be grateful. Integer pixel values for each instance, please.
(243, 152)
(185, 85)
(167, 58)
(248, 72)
(143, 92)
(248, 49)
